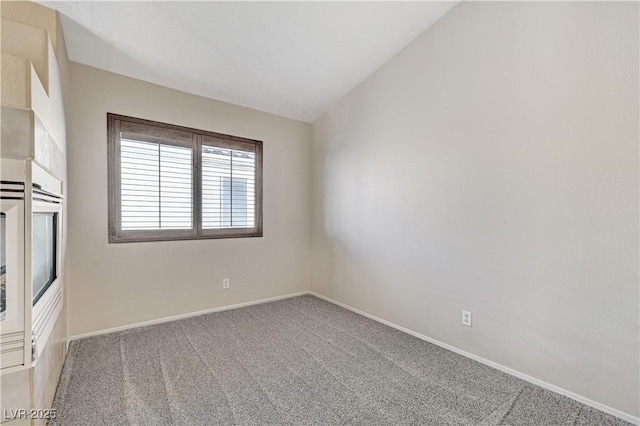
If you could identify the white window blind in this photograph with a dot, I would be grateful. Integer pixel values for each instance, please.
(156, 186)
(228, 188)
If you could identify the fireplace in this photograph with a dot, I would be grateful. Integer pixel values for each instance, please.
(44, 247)
(31, 295)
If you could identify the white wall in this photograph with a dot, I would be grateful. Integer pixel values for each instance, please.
(120, 284)
(492, 166)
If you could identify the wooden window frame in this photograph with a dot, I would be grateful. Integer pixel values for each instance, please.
(171, 134)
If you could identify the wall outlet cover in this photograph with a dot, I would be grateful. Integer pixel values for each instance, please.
(466, 318)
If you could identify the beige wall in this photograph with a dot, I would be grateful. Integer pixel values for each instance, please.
(120, 284)
(492, 166)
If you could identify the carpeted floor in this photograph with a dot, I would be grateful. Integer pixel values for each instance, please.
(300, 361)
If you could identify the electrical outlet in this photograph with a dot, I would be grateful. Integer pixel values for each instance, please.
(225, 283)
(466, 318)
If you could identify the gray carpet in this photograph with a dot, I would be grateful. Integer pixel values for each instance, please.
(300, 361)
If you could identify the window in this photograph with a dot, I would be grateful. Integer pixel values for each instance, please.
(169, 182)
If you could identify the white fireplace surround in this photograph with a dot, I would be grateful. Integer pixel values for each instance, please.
(27, 326)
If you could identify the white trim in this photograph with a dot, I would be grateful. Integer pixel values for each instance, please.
(624, 416)
(47, 317)
(187, 315)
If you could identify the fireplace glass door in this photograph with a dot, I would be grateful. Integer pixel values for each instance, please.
(45, 229)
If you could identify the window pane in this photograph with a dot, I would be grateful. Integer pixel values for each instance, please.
(228, 188)
(156, 186)
(175, 187)
(140, 184)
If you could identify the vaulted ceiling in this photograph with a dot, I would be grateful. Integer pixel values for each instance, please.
(293, 59)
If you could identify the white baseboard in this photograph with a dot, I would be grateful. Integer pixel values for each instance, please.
(187, 315)
(624, 416)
